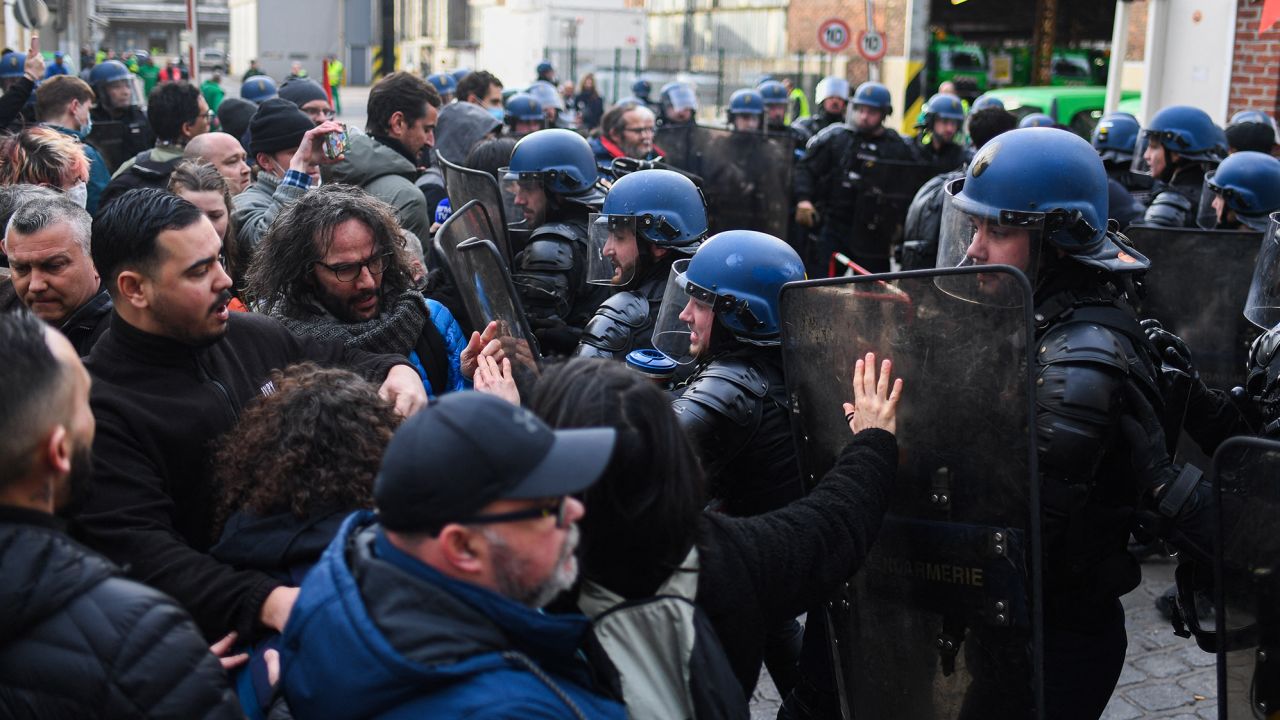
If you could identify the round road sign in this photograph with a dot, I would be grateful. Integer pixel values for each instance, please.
(834, 35)
(871, 45)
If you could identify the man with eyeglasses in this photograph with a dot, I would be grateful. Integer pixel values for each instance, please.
(289, 150)
(177, 113)
(333, 266)
(310, 98)
(626, 130)
(430, 607)
(173, 373)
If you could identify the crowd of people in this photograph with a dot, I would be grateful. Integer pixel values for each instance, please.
(270, 444)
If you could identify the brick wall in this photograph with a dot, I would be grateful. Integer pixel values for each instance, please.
(1255, 67)
(805, 16)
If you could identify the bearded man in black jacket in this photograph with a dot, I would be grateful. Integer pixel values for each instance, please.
(170, 376)
(76, 638)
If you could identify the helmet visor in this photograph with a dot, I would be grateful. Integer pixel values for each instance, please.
(673, 335)
(1139, 164)
(682, 98)
(1262, 306)
(118, 94)
(974, 234)
(614, 252)
(1208, 215)
(520, 193)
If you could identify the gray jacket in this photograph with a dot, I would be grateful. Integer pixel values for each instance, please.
(388, 176)
(256, 208)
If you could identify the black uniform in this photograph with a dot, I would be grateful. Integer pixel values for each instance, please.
(550, 276)
(1176, 203)
(923, 228)
(120, 138)
(624, 322)
(814, 124)
(852, 220)
(945, 157)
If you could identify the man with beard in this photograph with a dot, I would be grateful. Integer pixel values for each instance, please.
(171, 375)
(626, 130)
(334, 267)
(936, 143)
(67, 617)
(431, 607)
(649, 219)
(832, 94)
(553, 177)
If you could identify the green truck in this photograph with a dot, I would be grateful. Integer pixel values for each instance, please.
(1078, 107)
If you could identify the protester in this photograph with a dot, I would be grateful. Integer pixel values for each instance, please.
(626, 130)
(43, 156)
(200, 184)
(172, 373)
(588, 103)
(430, 607)
(212, 91)
(224, 152)
(482, 88)
(402, 121)
(47, 243)
(333, 267)
(76, 638)
(65, 104)
(310, 98)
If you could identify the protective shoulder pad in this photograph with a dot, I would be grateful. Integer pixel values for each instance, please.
(1082, 343)
(732, 388)
(826, 134)
(615, 321)
(1169, 209)
(547, 253)
(560, 231)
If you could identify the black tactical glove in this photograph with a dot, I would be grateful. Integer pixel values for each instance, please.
(1208, 415)
(1176, 499)
(555, 337)
(1172, 349)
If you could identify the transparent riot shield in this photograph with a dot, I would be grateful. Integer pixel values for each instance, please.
(1247, 577)
(943, 619)
(1196, 288)
(483, 281)
(885, 190)
(746, 177)
(464, 184)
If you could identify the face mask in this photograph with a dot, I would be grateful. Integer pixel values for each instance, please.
(86, 128)
(499, 114)
(79, 194)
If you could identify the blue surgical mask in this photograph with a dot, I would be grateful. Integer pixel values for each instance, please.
(499, 114)
(86, 128)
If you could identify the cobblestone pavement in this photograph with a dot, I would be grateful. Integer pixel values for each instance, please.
(1164, 676)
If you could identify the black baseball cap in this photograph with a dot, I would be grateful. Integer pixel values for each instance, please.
(469, 449)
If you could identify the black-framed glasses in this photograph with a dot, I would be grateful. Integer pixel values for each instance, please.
(348, 272)
(557, 510)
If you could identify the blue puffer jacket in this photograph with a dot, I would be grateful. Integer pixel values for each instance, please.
(375, 633)
(456, 342)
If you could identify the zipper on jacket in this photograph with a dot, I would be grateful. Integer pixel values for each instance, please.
(207, 377)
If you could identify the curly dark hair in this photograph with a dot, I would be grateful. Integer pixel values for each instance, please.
(316, 442)
(281, 272)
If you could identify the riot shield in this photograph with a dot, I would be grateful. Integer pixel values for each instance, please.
(1196, 288)
(464, 185)
(1247, 577)
(481, 276)
(943, 619)
(746, 177)
(885, 191)
(111, 140)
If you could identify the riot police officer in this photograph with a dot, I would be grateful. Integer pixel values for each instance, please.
(553, 179)
(1037, 120)
(1114, 138)
(641, 90)
(1243, 191)
(828, 187)
(832, 96)
(446, 85)
(649, 220)
(679, 105)
(524, 115)
(259, 89)
(1181, 144)
(776, 98)
(120, 128)
(746, 111)
(1037, 200)
(936, 142)
(1251, 130)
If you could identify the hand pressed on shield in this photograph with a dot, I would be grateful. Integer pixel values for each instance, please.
(496, 379)
(479, 342)
(875, 402)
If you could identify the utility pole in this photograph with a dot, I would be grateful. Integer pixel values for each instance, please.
(1042, 37)
(193, 28)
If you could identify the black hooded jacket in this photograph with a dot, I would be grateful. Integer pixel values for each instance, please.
(79, 641)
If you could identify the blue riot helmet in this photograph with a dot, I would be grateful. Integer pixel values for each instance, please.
(773, 92)
(641, 88)
(1248, 184)
(445, 84)
(1037, 120)
(545, 70)
(679, 103)
(1044, 184)
(460, 73)
(663, 208)
(259, 89)
(746, 108)
(1114, 137)
(558, 161)
(12, 69)
(986, 101)
(524, 114)
(946, 107)
(546, 95)
(738, 275)
(1251, 130)
(874, 94)
(1182, 129)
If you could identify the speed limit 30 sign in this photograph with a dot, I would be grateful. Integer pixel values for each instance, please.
(834, 35)
(871, 45)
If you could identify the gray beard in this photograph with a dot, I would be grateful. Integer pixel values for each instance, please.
(509, 568)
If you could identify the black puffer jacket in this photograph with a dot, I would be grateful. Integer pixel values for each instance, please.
(79, 641)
